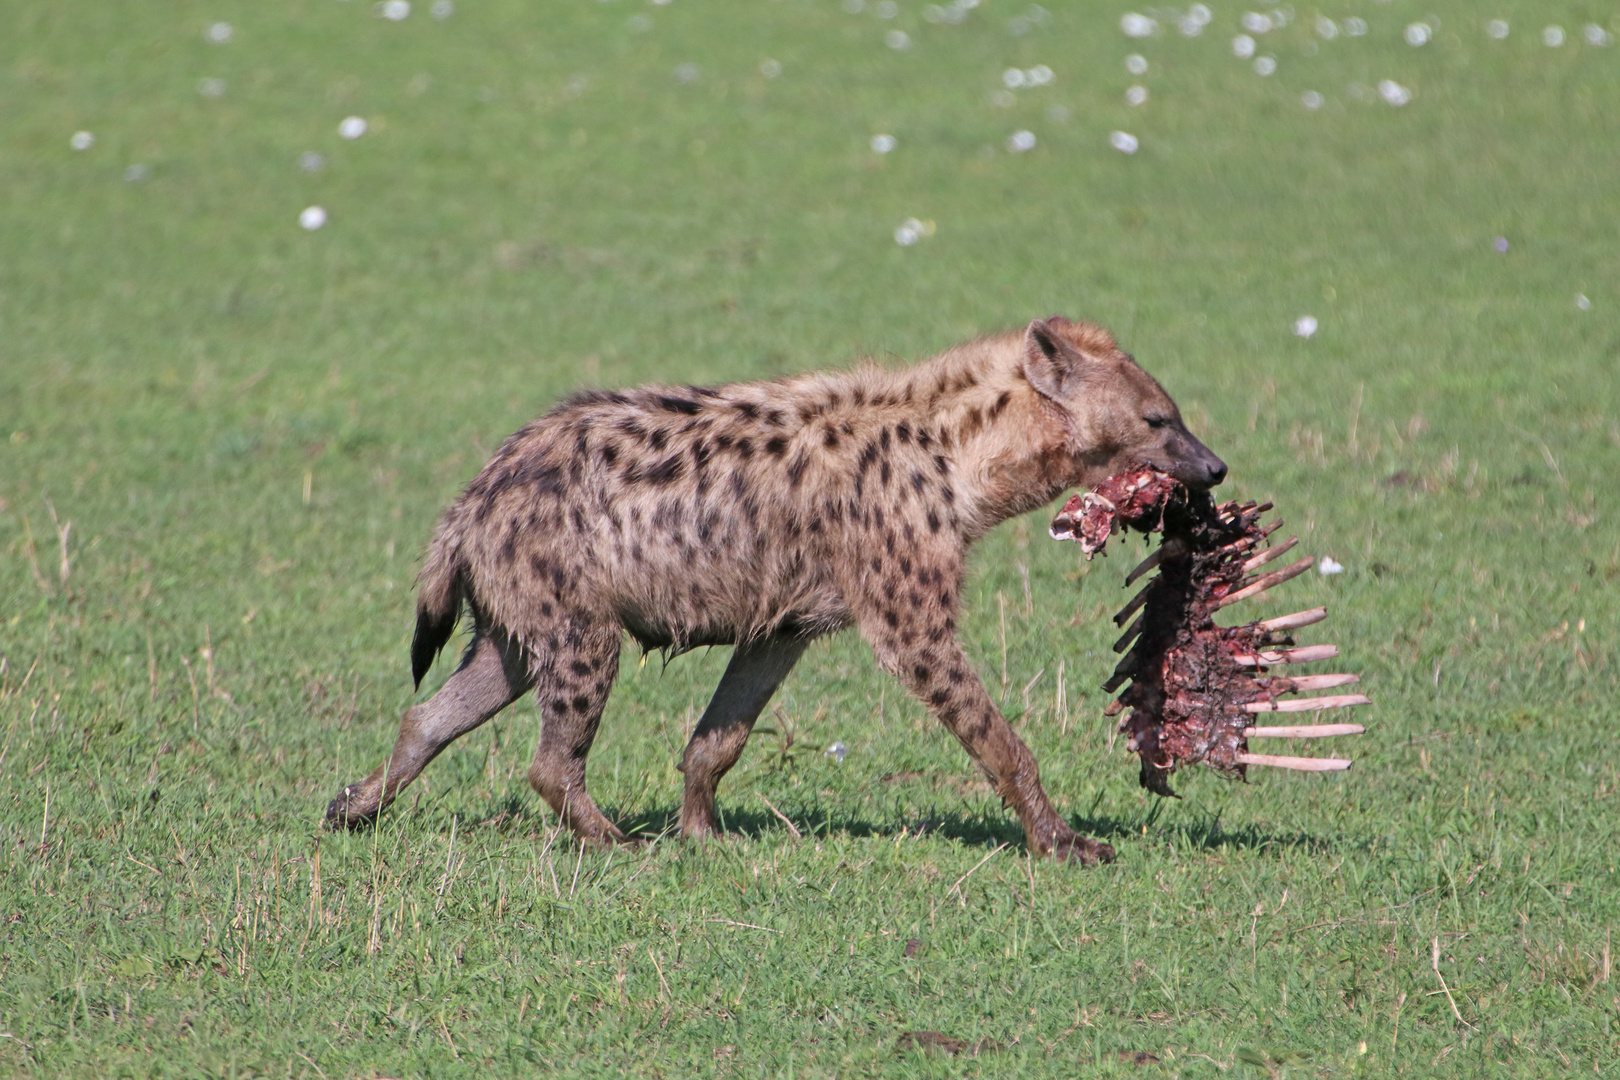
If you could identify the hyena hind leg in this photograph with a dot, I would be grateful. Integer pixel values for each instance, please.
(492, 675)
(755, 671)
(571, 687)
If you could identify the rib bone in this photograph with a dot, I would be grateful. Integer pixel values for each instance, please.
(1294, 621)
(1269, 554)
(1313, 682)
(1298, 764)
(1303, 731)
(1125, 638)
(1199, 688)
(1171, 549)
(1303, 655)
(1130, 609)
(1260, 585)
(1309, 704)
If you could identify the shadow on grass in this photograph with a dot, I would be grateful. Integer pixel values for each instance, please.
(516, 814)
(989, 831)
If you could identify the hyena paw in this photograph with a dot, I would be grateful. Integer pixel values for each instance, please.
(1082, 850)
(352, 808)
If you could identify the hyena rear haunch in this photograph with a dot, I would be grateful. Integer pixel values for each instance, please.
(764, 515)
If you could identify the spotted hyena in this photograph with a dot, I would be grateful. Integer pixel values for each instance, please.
(764, 515)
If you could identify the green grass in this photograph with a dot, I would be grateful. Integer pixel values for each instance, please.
(251, 429)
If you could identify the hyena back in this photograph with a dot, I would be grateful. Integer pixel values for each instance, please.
(763, 515)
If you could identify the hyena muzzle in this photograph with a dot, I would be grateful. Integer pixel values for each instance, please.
(763, 515)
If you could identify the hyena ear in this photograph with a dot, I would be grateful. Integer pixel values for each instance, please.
(1051, 364)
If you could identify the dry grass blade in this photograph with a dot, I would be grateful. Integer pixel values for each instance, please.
(783, 818)
(957, 884)
(1434, 959)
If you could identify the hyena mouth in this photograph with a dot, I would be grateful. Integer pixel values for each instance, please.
(1196, 687)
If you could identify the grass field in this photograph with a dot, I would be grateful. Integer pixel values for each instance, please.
(251, 426)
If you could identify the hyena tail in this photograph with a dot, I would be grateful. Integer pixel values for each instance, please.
(439, 596)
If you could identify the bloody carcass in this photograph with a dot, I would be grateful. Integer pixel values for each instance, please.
(1195, 687)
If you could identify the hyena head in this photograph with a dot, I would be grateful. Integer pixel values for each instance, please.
(1117, 415)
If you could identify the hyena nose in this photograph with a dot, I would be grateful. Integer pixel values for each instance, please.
(1217, 470)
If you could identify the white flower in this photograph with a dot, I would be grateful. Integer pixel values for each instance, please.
(1265, 66)
(882, 144)
(1355, 27)
(352, 127)
(1497, 28)
(1189, 26)
(1136, 95)
(394, 10)
(312, 218)
(1552, 37)
(1312, 100)
(310, 161)
(1123, 141)
(211, 88)
(1326, 28)
(82, 140)
(1305, 326)
(770, 68)
(1596, 35)
(1394, 93)
(1418, 34)
(686, 73)
(911, 230)
(1135, 25)
(854, 7)
(1019, 141)
(886, 9)
(1256, 23)
(1057, 113)
(219, 33)
(1243, 46)
(1003, 99)
(1136, 64)
(442, 10)
(1328, 565)
(1039, 75)
(1012, 78)
(136, 173)
(837, 751)
(1582, 303)
(898, 40)
(1200, 14)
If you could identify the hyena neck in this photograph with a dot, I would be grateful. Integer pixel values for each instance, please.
(1008, 444)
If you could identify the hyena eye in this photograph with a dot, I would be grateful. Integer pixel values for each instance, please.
(1156, 421)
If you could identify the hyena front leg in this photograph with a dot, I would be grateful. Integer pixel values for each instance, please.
(913, 633)
(572, 682)
(755, 671)
(492, 675)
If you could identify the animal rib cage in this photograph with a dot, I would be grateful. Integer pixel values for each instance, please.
(1197, 688)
